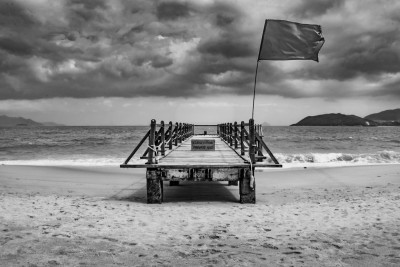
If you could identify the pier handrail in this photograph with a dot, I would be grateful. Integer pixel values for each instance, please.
(137, 147)
(250, 141)
(161, 140)
(235, 135)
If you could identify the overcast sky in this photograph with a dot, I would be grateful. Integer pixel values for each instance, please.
(119, 62)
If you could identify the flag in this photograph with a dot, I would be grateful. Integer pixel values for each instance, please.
(285, 40)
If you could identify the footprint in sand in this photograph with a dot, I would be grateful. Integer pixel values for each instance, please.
(270, 246)
(291, 252)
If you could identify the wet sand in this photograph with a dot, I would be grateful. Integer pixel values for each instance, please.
(98, 216)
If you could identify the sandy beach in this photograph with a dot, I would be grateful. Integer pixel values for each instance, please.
(98, 216)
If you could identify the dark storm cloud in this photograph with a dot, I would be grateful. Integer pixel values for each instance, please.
(83, 49)
(88, 4)
(172, 10)
(367, 54)
(161, 62)
(312, 8)
(16, 47)
(12, 13)
(227, 46)
(230, 41)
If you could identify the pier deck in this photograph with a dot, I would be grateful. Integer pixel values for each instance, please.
(177, 154)
(182, 156)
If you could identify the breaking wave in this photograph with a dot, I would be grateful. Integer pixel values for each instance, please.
(287, 160)
(338, 159)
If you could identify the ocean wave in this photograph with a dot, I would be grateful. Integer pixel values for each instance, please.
(287, 160)
(338, 159)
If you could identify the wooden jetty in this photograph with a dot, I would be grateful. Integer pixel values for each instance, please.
(175, 153)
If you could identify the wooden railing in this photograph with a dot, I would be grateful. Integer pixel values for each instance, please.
(162, 139)
(250, 141)
(165, 137)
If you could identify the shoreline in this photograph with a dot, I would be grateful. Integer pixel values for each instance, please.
(286, 166)
(98, 216)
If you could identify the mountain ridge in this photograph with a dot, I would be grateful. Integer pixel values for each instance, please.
(6, 121)
(386, 115)
(335, 119)
(383, 118)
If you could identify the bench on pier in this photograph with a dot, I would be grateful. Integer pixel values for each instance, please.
(174, 153)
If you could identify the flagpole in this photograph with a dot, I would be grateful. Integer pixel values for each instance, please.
(255, 77)
(254, 91)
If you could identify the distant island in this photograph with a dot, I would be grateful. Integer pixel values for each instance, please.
(384, 118)
(387, 117)
(6, 121)
(333, 119)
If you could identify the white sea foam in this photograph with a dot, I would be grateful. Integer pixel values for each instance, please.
(338, 159)
(287, 160)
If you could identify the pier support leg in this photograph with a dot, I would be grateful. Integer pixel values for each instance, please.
(247, 194)
(173, 183)
(154, 186)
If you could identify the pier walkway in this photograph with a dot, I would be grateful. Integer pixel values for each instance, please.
(177, 154)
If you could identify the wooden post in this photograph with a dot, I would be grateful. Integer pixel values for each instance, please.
(176, 133)
(185, 130)
(252, 141)
(247, 194)
(162, 138)
(170, 135)
(230, 134)
(226, 132)
(154, 186)
(259, 143)
(242, 138)
(151, 157)
(255, 141)
(235, 129)
(180, 132)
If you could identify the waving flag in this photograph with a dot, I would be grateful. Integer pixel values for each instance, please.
(285, 40)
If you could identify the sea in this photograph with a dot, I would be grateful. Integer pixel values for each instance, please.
(293, 146)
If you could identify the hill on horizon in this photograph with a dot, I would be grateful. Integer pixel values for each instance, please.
(335, 119)
(386, 115)
(6, 121)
